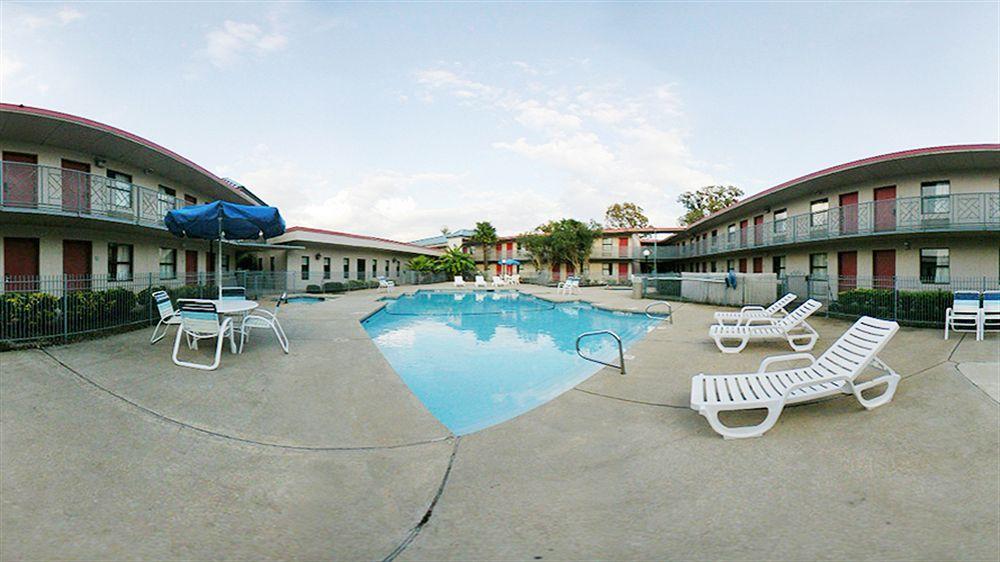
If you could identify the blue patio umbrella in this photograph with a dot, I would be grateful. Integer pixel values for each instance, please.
(509, 261)
(222, 219)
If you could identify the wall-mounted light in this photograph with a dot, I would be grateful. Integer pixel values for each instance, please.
(318, 255)
(100, 162)
(906, 245)
(148, 171)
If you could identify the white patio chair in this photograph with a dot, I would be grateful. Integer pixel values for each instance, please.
(835, 372)
(200, 320)
(387, 284)
(964, 315)
(480, 281)
(459, 282)
(748, 313)
(792, 328)
(499, 282)
(168, 316)
(515, 279)
(264, 319)
(232, 293)
(568, 286)
(991, 312)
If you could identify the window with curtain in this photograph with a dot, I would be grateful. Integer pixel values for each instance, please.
(305, 268)
(168, 263)
(935, 265)
(781, 221)
(935, 197)
(818, 211)
(818, 265)
(120, 262)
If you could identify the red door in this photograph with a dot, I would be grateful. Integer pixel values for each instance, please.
(77, 257)
(884, 268)
(570, 270)
(847, 270)
(623, 247)
(499, 269)
(20, 179)
(758, 265)
(75, 186)
(743, 264)
(849, 213)
(20, 262)
(555, 272)
(623, 271)
(191, 266)
(743, 232)
(758, 230)
(885, 208)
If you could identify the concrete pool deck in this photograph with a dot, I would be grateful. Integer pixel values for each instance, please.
(109, 451)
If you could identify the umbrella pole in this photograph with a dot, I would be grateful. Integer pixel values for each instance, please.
(218, 260)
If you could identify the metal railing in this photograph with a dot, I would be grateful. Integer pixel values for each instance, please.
(52, 190)
(621, 349)
(670, 311)
(944, 213)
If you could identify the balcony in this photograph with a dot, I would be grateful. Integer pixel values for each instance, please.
(57, 191)
(944, 213)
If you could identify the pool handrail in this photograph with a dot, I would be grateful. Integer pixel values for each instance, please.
(621, 351)
(670, 311)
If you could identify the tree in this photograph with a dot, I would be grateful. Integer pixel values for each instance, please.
(445, 231)
(421, 264)
(563, 241)
(536, 244)
(707, 200)
(625, 215)
(454, 262)
(485, 235)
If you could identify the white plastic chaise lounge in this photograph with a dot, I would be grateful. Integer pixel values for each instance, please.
(499, 281)
(168, 316)
(750, 313)
(964, 315)
(480, 281)
(201, 320)
(568, 286)
(387, 284)
(267, 320)
(991, 312)
(793, 328)
(834, 372)
(459, 282)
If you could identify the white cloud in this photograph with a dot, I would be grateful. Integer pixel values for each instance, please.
(68, 15)
(227, 44)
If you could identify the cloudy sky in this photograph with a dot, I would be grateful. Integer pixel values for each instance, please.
(396, 120)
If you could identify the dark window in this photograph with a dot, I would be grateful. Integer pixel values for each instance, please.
(935, 197)
(305, 268)
(121, 189)
(374, 268)
(935, 265)
(778, 265)
(780, 221)
(347, 268)
(271, 262)
(361, 269)
(731, 235)
(168, 263)
(326, 268)
(120, 262)
(190, 200)
(225, 262)
(730, 265)
(817, 265)
(714, 267)
(167, 199)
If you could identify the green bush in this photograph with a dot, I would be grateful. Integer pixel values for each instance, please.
(354, 285)
(27, 315)
(314, 289)
(912, 307)
(333, 287)
(372, 283)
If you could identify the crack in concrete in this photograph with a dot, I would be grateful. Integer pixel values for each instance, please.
(244, 440)
(412, 534)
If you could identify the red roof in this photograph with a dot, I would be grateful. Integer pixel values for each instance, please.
(349, 235)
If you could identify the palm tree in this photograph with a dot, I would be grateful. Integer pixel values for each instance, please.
(454, 262)
(486, 235)
(421, 264)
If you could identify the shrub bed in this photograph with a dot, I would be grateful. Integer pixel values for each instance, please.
(909, 307)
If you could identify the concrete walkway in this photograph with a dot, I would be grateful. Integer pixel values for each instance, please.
(108, 451)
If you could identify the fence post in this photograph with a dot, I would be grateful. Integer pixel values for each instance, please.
(895, 298)
(149, 297)
(65, 296)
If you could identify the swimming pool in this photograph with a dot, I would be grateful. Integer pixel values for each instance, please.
(476, 359)
(307, 300)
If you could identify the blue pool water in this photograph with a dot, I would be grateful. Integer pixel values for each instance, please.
(307, 300)
(476, 359)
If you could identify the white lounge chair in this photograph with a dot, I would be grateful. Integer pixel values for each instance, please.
(387, 284)
(515, 279)
(459, 282)
(835, 372)
(201, 320)
(964, 315)
(264, 319)
(499, 281)
(568, 286)
(480, 281)
(749, 313)
(793, 328)
(168, 316)
(991, 312)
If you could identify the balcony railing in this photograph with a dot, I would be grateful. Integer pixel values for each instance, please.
(48, 189)
(947, 213)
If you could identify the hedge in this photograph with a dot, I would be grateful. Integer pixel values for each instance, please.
(334, 287)
(913, 307)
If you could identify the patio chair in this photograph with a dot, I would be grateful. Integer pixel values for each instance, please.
(964, 315)
(232, 293)
(515, 279)
(168, 316)
(750, 313)
(792, 328)
(264, 319)
(499, 282)
(200, 320)
(459, 282)
(480, 281)
(835, 372)
(568, 286)
(991, 312)
(387, 284)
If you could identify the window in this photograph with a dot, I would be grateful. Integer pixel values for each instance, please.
(398, 263)
(347, 268)
(190, 200)
(167, 197)
(935, 197)
(715, 238)
(818, 210)
(120, 188)
(730, 265)
(935, 265)
(260, 262)
(168, 263)
(606, 246)
(326, 268)
(731, 235)
(361, 269)
(714, 267)
(608, 269)
(778, 265)
(374, 268)
(120, 262)
(271, 262)
(225, 262)
(305, 268)
(781, 221)
(817, 265)
(386, 267)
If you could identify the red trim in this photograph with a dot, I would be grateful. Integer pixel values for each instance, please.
(854, 164)
(349, 235)
(28, 110)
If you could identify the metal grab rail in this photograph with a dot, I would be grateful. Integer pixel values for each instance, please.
(621, 351)
(670, 310)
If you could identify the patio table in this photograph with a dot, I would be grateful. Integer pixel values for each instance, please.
(234, 307)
